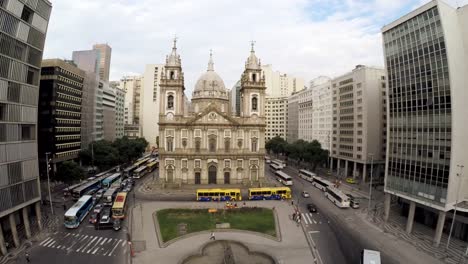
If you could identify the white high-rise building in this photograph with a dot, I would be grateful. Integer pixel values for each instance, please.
(305, 115)
(276, 111)
(119, 112)
(426, 57)
(293, 118)
(150, 93)
(280, 84)
(322, 111)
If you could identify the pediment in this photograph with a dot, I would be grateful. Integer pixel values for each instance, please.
(211, 115)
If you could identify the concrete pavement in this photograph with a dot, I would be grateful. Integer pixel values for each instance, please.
(292, 247)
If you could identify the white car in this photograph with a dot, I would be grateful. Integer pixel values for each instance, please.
(305, 194)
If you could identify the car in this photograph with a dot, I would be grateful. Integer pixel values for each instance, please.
(351, 197)
(353, 201)
(305, 194)
(312, 208)
(268, 161)
(117, 225)
(99, 194)
(351, 180)
(93, 218)
(105, 216)
(98, 208)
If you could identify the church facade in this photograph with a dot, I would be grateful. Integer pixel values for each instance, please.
(202, 142)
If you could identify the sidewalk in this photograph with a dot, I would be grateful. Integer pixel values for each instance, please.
(292, 247)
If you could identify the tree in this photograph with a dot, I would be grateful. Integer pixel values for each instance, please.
(69, 171)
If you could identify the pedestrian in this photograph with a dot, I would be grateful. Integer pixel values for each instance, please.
(212, 236)
(26, 255)
(292, 202)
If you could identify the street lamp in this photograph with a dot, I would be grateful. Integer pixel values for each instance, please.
(48, 181)
(456, 202)
(370, 185)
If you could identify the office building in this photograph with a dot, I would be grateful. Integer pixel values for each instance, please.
(108, 111)
(211, 145)
(426, 57)
(23, 31)
(276, 112)
(358, 99)
(132, 85)
(59, 118)
(150, 93)
(293, 118)
(280, 84)
(119, 112)
(305, 115)
(103, 61)
(235, 98)
(92, 110)
(321, 112)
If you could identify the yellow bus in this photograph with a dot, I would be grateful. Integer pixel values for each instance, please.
(141, 162)
(119, 207)
(152, 166)
(269, 193)
(205, 195)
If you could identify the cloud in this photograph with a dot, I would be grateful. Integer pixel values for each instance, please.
(298, 37)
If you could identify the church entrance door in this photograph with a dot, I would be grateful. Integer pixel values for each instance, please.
(197, 178)
(212, 175)
(227, 178)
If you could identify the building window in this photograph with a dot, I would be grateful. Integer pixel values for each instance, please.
(227, 163)
(170, 102)
(227, 145)
(172, 75)
(169, 144)
(197, 145)
(184, 142)
(254, 103)
(27, 14)
(239, 143)
(254, 145)
(254, 77)
(212, 144)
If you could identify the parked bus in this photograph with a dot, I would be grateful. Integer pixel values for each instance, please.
(129, 171)
(141, 171)
(307, 175)
(85, 188)
(370, 257)
(78, 211)
(283, 178)
(337, 197)
(153, 165)
(269, 193)
(68, 191)
(107, 182)
(279, 163)
(141, 162)
(275, 167)
(321, 184)
(205, 195)
(119, 207)
(109, 195)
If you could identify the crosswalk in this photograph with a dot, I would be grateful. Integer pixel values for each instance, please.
(86, 244)
(308, 219)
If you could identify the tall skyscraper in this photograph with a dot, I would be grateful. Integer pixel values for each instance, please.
(322, 111)
(119, 112)
(293, 118)
(305, 115)
(426, 56)
(108, 111)
(150, 93)
(132, 85)
(92, 110)
(96, 60)
(358, 123)
(104, 59)
(59, 124)
(23, 31)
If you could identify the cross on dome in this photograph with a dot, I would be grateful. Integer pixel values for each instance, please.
(210, 62)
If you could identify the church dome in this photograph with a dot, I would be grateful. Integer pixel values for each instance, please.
(210, 84)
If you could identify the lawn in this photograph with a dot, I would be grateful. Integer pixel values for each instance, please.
(252, 219)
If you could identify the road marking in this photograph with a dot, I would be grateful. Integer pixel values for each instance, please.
(124, 243)
(97, 243)
(315, 222)
(94, 252)
(116, 244)
(89, 243)
(305, 219)
(314, 232)
(102, 243)
(51, 244)
(43, 242)
(84, 245)
(309, 217)
(48, 242)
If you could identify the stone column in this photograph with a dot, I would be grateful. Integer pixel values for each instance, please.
(364, 172)
(346, 169)
(26, 222)
(354, 170)
(439, 228)
(37, 206)
(2, 242)
(14, 232)
(409, 222)
(387, 199)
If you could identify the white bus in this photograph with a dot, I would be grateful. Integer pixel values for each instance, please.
(337, 197)
(141, 171)
(278, 163)
(275, 167)
(370, 257)
(320, 183)
(283, 178)
(307, 175)
(78, 211)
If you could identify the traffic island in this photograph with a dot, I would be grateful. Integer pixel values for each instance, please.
(174, 223)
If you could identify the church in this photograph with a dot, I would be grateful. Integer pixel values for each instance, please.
(202, 141)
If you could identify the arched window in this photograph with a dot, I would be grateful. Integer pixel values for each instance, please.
(254, 103)
(170, 102)
(254, 144)
(254, 77)
(227, 145)
(169, 144)
(212, 144)
(172, 75)
(197, 145)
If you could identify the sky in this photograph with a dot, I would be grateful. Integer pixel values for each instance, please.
(303, 38)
